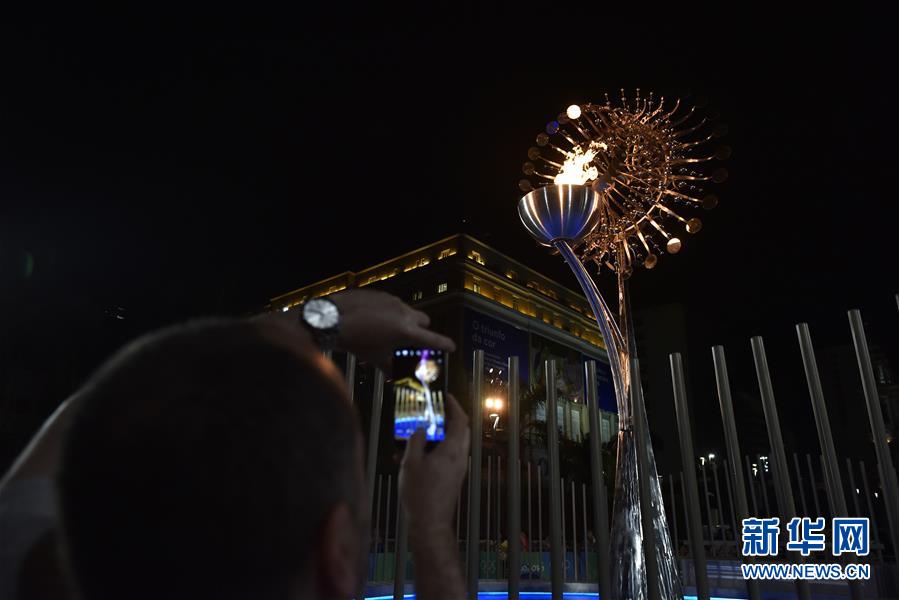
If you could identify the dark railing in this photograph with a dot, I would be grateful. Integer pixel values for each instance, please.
(563, 537)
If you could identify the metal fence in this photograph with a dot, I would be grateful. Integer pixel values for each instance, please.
(562, 525)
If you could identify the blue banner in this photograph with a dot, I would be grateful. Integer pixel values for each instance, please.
(499, 340)
(605, 387)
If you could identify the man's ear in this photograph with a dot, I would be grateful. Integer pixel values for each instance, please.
(339, 551)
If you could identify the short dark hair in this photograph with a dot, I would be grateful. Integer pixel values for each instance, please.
(201, 462)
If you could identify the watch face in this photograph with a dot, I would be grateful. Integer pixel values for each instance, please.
(320, 314)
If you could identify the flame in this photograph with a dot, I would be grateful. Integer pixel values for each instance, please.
(578, 167)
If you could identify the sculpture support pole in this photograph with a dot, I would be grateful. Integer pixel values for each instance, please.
(628, 534)
(556, 216)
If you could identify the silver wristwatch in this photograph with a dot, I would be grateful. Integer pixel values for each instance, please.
(322, 318)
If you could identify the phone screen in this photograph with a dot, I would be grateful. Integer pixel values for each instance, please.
(419, 388)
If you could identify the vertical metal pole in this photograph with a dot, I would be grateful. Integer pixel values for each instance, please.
(738, 489)
(399, 571)
(763, 484)
(814, 483)
(831, 469)
(882, 452)
(749, 474)
(564, 523)
(708, 505)
(530, 519)
(474, 478)
(467, 516)
(377, 402)
(487, 550)
(683, 491)
(574, 529)
(853, 491)
(584, 520)
(694, 520)
(799, 485)
(870, 503)
(719, 501)
(781, 473)
(374, 431)
(499, 503)
(350, 375)
(829, 486)
(600, 500)
(387, 525)
(513, 491)
(730, 501)
(854, 586)
(539, 514)
(377, 526)
(673, 514)
(557, 564)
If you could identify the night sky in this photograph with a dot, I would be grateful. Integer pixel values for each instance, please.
(157, 169)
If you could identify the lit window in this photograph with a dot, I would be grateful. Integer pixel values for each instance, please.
(441, 288)
(476, 288)
(416, 296)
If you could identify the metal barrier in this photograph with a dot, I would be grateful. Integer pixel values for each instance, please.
(504, 517)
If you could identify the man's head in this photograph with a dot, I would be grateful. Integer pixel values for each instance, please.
(216, 459)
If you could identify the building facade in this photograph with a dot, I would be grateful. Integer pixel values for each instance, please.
(485, 300)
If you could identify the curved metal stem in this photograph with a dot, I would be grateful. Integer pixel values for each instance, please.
(616, 347)
(628, 538)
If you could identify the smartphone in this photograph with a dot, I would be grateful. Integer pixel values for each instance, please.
(419, 390)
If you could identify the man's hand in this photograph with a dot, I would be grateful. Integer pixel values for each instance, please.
(429, 487)
(373, 324)
(430, 482)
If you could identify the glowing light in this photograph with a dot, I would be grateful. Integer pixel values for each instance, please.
(488, 403)
(285, 309)
(573, 112)
(711, 457)
(578, 167)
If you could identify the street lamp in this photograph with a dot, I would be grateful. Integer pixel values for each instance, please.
(494, 406)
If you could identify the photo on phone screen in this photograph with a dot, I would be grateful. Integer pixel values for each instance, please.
(419, 388)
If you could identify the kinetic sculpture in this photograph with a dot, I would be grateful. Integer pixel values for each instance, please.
(606, 184)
